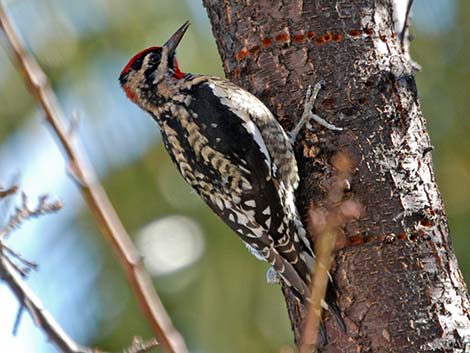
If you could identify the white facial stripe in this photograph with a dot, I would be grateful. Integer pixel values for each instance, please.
(162, 68)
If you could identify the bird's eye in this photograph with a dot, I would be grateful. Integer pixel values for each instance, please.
(155, 58)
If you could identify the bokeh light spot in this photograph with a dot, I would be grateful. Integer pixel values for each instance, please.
(170, 244)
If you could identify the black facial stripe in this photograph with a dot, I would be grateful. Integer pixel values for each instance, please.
(171, 62)
(137, 64)
(154, 58)
(123, 79)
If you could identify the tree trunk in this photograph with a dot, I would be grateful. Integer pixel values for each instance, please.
(400, 289)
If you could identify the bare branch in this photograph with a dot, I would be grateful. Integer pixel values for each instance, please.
(40, 316)
(18, 318)
(20, 270)
(43, 319)
(406, 24)
(11, 273)
(29, 264)
(96, 198)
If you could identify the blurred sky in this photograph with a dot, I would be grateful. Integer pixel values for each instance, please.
(83, 45)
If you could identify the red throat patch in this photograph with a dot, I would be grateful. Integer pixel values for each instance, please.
(177, 74)
(130, 94)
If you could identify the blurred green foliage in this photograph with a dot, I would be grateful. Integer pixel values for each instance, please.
(221, 303)
(445, 101)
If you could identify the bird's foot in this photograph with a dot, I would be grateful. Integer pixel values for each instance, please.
(307, 115)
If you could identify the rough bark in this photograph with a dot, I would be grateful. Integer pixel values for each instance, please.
(399, 285)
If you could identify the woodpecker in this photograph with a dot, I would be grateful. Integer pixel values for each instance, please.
(228, 146)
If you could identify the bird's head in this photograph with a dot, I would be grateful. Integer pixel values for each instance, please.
(152, 67)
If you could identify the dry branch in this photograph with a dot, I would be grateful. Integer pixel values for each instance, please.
(327, 222)
(40, 316)
(21, 214)
(95, 196)
(43, 319)
(11, 274)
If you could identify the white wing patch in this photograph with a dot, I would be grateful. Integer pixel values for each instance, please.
(254, 131)
(247, 104)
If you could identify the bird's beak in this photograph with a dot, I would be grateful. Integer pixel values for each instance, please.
(175, 39)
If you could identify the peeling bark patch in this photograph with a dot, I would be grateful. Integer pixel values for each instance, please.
(450, 315)
(413, 180)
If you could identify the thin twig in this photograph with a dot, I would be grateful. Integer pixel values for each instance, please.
(18, 269)
(23, 213)
(327, 222)
(19, 316)
(139, 346)
(12, 274)
(96, 198)
(7, 192)
(43, 319)
(406, 24)
(29, 264)
(323, 250)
